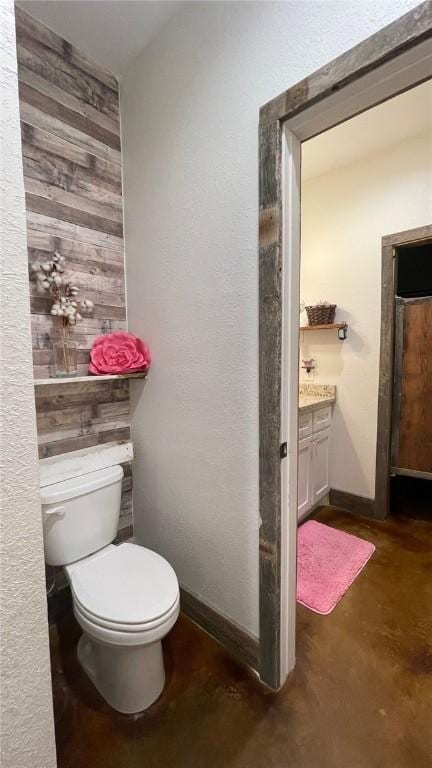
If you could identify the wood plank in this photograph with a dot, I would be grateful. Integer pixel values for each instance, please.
(45, 331)
(49, 106)
(108, 172)
(41, 306)
(89, 326)
(385, 385)
(77, 429)
(399, 310)
(69, 231)
(57, 194)
(415, 426)
(270, 361)
(99, 259)
(82, 417)
(30, 78)
(71, 177)
(69, 394)
(235, 639)
(44, 372)
(31, 27)
(82, 441)
(53, 67)
(408, 237)
(110, 284)
(324, 327)
(70, 400)
(45, 356)
(39, 119)
(56, 210)
(100, 271)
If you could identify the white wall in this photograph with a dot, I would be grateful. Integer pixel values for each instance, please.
(190, 106)
(27, 729)
(345, 213)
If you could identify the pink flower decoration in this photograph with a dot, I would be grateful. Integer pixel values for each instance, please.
(119, 352)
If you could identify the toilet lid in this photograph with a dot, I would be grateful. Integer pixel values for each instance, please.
(127, 584)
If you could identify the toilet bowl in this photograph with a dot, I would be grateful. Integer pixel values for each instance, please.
(125, 597)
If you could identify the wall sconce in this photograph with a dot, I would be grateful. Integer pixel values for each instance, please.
(342, 332)
(308, 365)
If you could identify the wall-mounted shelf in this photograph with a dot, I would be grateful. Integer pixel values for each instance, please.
(86, 379)
(341, 328)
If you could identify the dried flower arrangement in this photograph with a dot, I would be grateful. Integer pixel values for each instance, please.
(49, 276)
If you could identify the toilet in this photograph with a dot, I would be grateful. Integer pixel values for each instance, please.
(125, 597)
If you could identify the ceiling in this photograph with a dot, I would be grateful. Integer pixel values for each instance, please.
(398, 119)
(111, 33)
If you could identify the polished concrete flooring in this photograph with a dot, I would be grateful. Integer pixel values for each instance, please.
(360, 695)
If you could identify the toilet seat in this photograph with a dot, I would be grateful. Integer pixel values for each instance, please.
(119, 636)
(126, 595)
(118, 627)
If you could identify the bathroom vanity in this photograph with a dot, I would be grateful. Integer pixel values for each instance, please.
(314, 428)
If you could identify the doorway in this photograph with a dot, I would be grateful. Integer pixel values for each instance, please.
(373, 72)
(361, 179)
(406, 259)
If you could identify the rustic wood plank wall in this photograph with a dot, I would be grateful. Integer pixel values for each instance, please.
(70, 129)
(72, 173)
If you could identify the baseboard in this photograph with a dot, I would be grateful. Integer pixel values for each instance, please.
(59, 605)
(240, 643)
(358, 505)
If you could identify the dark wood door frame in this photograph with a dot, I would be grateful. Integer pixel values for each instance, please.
(390, 245)
(314, 93)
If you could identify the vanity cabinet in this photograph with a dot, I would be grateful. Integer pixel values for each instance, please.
(313, 459)
(304, 484)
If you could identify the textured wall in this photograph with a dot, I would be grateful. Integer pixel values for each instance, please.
(345, 213)
(27, 729)
(190, 146)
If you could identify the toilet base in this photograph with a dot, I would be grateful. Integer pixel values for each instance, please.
(129, 678)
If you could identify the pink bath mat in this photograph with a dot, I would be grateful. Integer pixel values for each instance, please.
(328, 561)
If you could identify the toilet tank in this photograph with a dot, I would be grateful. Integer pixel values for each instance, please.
(81, 515)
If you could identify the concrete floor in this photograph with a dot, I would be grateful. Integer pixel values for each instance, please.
(360, 696)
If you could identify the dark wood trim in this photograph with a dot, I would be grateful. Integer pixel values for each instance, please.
(240, 643)
(270, 365)
(387, 44)
(399, 312)
(350, 502)
(390, 244)
(59, 603)
(402, 34)
(416, 236)
(385, 386)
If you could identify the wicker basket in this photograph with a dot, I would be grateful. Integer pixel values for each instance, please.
(321, 314)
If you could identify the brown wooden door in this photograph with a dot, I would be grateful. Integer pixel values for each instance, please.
(412, 407)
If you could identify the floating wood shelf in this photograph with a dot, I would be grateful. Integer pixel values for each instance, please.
(86, 379)
(341, 328)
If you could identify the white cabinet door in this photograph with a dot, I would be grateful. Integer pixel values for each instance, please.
(320, 471)
(304, 485)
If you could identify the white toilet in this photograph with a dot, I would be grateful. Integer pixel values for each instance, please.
(125, 598)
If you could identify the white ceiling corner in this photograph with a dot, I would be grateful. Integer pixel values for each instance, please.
(111, 32)
(396, 120)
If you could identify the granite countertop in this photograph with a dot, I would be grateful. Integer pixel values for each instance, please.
(313, 396)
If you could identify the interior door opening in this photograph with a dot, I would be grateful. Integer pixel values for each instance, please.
(351, 177)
